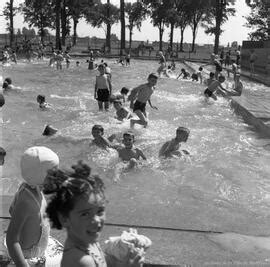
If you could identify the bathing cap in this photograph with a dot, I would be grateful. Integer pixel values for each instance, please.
(2, 100)
(35, 162)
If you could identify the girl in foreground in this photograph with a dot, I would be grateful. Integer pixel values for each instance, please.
(78, 204)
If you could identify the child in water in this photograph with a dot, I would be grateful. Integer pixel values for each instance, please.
(103, 89)
(78, 206)
(141, 95)
(99, 139)
(121, 112)
(171, 148)
(28, 231)
(184, 73)
(197, 75)
(213, 87)
(43, 105)
(8, 86)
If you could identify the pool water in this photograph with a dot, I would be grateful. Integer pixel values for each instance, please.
(224, 186)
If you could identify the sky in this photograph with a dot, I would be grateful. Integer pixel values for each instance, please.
(234, 29)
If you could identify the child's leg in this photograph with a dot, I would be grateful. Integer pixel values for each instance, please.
(106, 105)
(100, 105)
(132, 164)
(142, 119)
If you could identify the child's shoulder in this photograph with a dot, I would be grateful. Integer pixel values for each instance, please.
(76, 257)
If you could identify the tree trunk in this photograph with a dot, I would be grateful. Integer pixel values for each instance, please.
(11, 26)
(108, 35)
(130, 38)
(57, 25)
(123, 27)
(160, 36)
(194, 31)
(182, 40)
(171, 35)
(63, 22)
(75, 23)
(218, 23)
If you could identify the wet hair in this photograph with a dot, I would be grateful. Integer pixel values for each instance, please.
(124, 90)
(101, 66)
(105, 64)
(129, 133)
(212, 74)
(200, 68)
(67, 187)
(183, 129)
(183, 70)
(41, 98)
(2, 151)
(98, 127)
(152, 75)
(8, 80)
(221, 77)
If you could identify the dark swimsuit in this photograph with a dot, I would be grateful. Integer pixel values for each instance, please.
(139, 106)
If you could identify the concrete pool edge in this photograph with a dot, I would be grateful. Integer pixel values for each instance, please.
(239, 108)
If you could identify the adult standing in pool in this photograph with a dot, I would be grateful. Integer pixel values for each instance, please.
(162, 62)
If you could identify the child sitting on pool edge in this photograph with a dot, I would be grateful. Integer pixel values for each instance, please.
(28, 231)
(78, 205)
(171, 148)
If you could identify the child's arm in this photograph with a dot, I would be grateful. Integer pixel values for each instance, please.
(95, 94)
(154, 107)
(141, 154)
(17, 222)
(110, 85)
(179, 75)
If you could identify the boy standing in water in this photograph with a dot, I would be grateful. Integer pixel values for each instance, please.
(141, 95)
(171, 148)
(103, 88)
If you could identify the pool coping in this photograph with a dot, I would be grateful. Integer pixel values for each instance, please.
(239, 109)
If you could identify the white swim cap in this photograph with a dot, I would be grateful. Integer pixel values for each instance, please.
(35, 162)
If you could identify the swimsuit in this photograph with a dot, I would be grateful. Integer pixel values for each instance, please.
(139, 106)
(208, 93)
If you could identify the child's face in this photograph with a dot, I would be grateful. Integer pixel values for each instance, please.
(101, 70)
(86, 220)
(152, 81)
(181, 136)
(128, 141)
(96, 133)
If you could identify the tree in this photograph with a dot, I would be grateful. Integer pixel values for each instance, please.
(219, 11)
(101, 14)
(158, 14)
(123, 27)
(196, 10)
(136, 13)
(9, 12)
(38, 13)
(258, 20)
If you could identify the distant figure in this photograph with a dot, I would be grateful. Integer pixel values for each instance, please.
(59, 59)
(227, 59)
(67, 57)
(222, 56)
(121, 112)
(43, 105)
(185, 74)
(103, 89)
(218, 66)
(127, 58)
(213, 87)
(171, 148)
(197, 75)
(238, 56)
(108, 70)
(141, 95)
(77, 63)
(14, 56)
(173, 65)
(252, 59)
(162, 62)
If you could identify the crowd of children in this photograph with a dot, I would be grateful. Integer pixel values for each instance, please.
(77, 198)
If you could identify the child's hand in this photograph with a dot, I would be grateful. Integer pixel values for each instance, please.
(136, 257)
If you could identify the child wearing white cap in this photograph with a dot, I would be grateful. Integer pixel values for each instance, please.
(28, 231)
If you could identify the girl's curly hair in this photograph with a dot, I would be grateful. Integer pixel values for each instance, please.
(67, 187)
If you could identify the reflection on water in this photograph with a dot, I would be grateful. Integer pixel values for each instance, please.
(223, 186)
